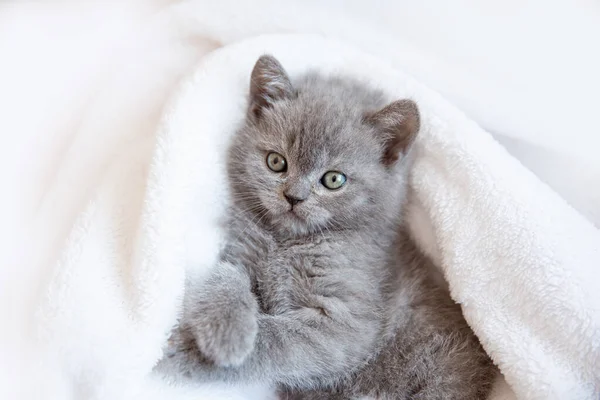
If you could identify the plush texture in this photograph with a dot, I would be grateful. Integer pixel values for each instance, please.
(522, 263)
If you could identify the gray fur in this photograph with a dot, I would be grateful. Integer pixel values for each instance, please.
(325, 298)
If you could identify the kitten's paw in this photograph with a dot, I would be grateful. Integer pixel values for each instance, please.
(177, 343)
(178, 352)
(228, 337)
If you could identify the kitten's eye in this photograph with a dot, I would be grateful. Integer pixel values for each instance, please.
(276, 162)
(333, 180)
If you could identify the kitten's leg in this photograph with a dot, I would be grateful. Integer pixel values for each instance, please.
(309, 346)
(221, 314)
(435, 356)
(301, 348)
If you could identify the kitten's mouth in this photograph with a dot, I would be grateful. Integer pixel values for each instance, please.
(293, 213)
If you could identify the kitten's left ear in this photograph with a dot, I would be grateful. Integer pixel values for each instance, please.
(268, 83)
(399, 124)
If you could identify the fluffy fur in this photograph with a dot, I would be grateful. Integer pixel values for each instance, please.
(323, 295)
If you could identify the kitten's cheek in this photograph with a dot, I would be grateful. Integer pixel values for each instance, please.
(281, 209)
(321, 216)
(272, 205)
(282, 206)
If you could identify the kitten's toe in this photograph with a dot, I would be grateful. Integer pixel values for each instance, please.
(228, 340)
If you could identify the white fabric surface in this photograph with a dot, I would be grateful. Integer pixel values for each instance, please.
(93, 188)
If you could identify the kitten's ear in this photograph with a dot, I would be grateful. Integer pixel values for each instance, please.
(398, 124)
(268, 83)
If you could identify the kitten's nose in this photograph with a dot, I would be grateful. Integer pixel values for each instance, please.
(292, 199)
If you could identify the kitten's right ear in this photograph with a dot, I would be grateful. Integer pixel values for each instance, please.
(268, 83)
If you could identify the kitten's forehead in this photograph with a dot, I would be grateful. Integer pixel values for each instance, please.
(315, 133)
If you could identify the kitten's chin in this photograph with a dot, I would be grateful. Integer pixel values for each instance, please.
(292, 224)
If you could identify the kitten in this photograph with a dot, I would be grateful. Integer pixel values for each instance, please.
(318, 289)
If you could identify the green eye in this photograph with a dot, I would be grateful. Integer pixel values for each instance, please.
(276, 162)
(333, 180)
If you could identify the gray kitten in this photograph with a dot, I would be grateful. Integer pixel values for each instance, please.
(318, 289)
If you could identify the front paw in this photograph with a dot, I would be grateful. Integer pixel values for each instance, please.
(228, 338)
(225, 333)
(182, 360)
(180, 353)
(228, 344)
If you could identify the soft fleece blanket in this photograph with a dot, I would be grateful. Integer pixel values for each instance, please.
(519, 260)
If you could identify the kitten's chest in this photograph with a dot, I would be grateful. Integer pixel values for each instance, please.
(292, 274)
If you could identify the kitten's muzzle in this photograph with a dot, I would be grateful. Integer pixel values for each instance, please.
(293, 200)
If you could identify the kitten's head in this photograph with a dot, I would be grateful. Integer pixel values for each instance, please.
(319, 154)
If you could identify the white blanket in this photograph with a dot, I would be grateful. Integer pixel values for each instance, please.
(520, 261)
